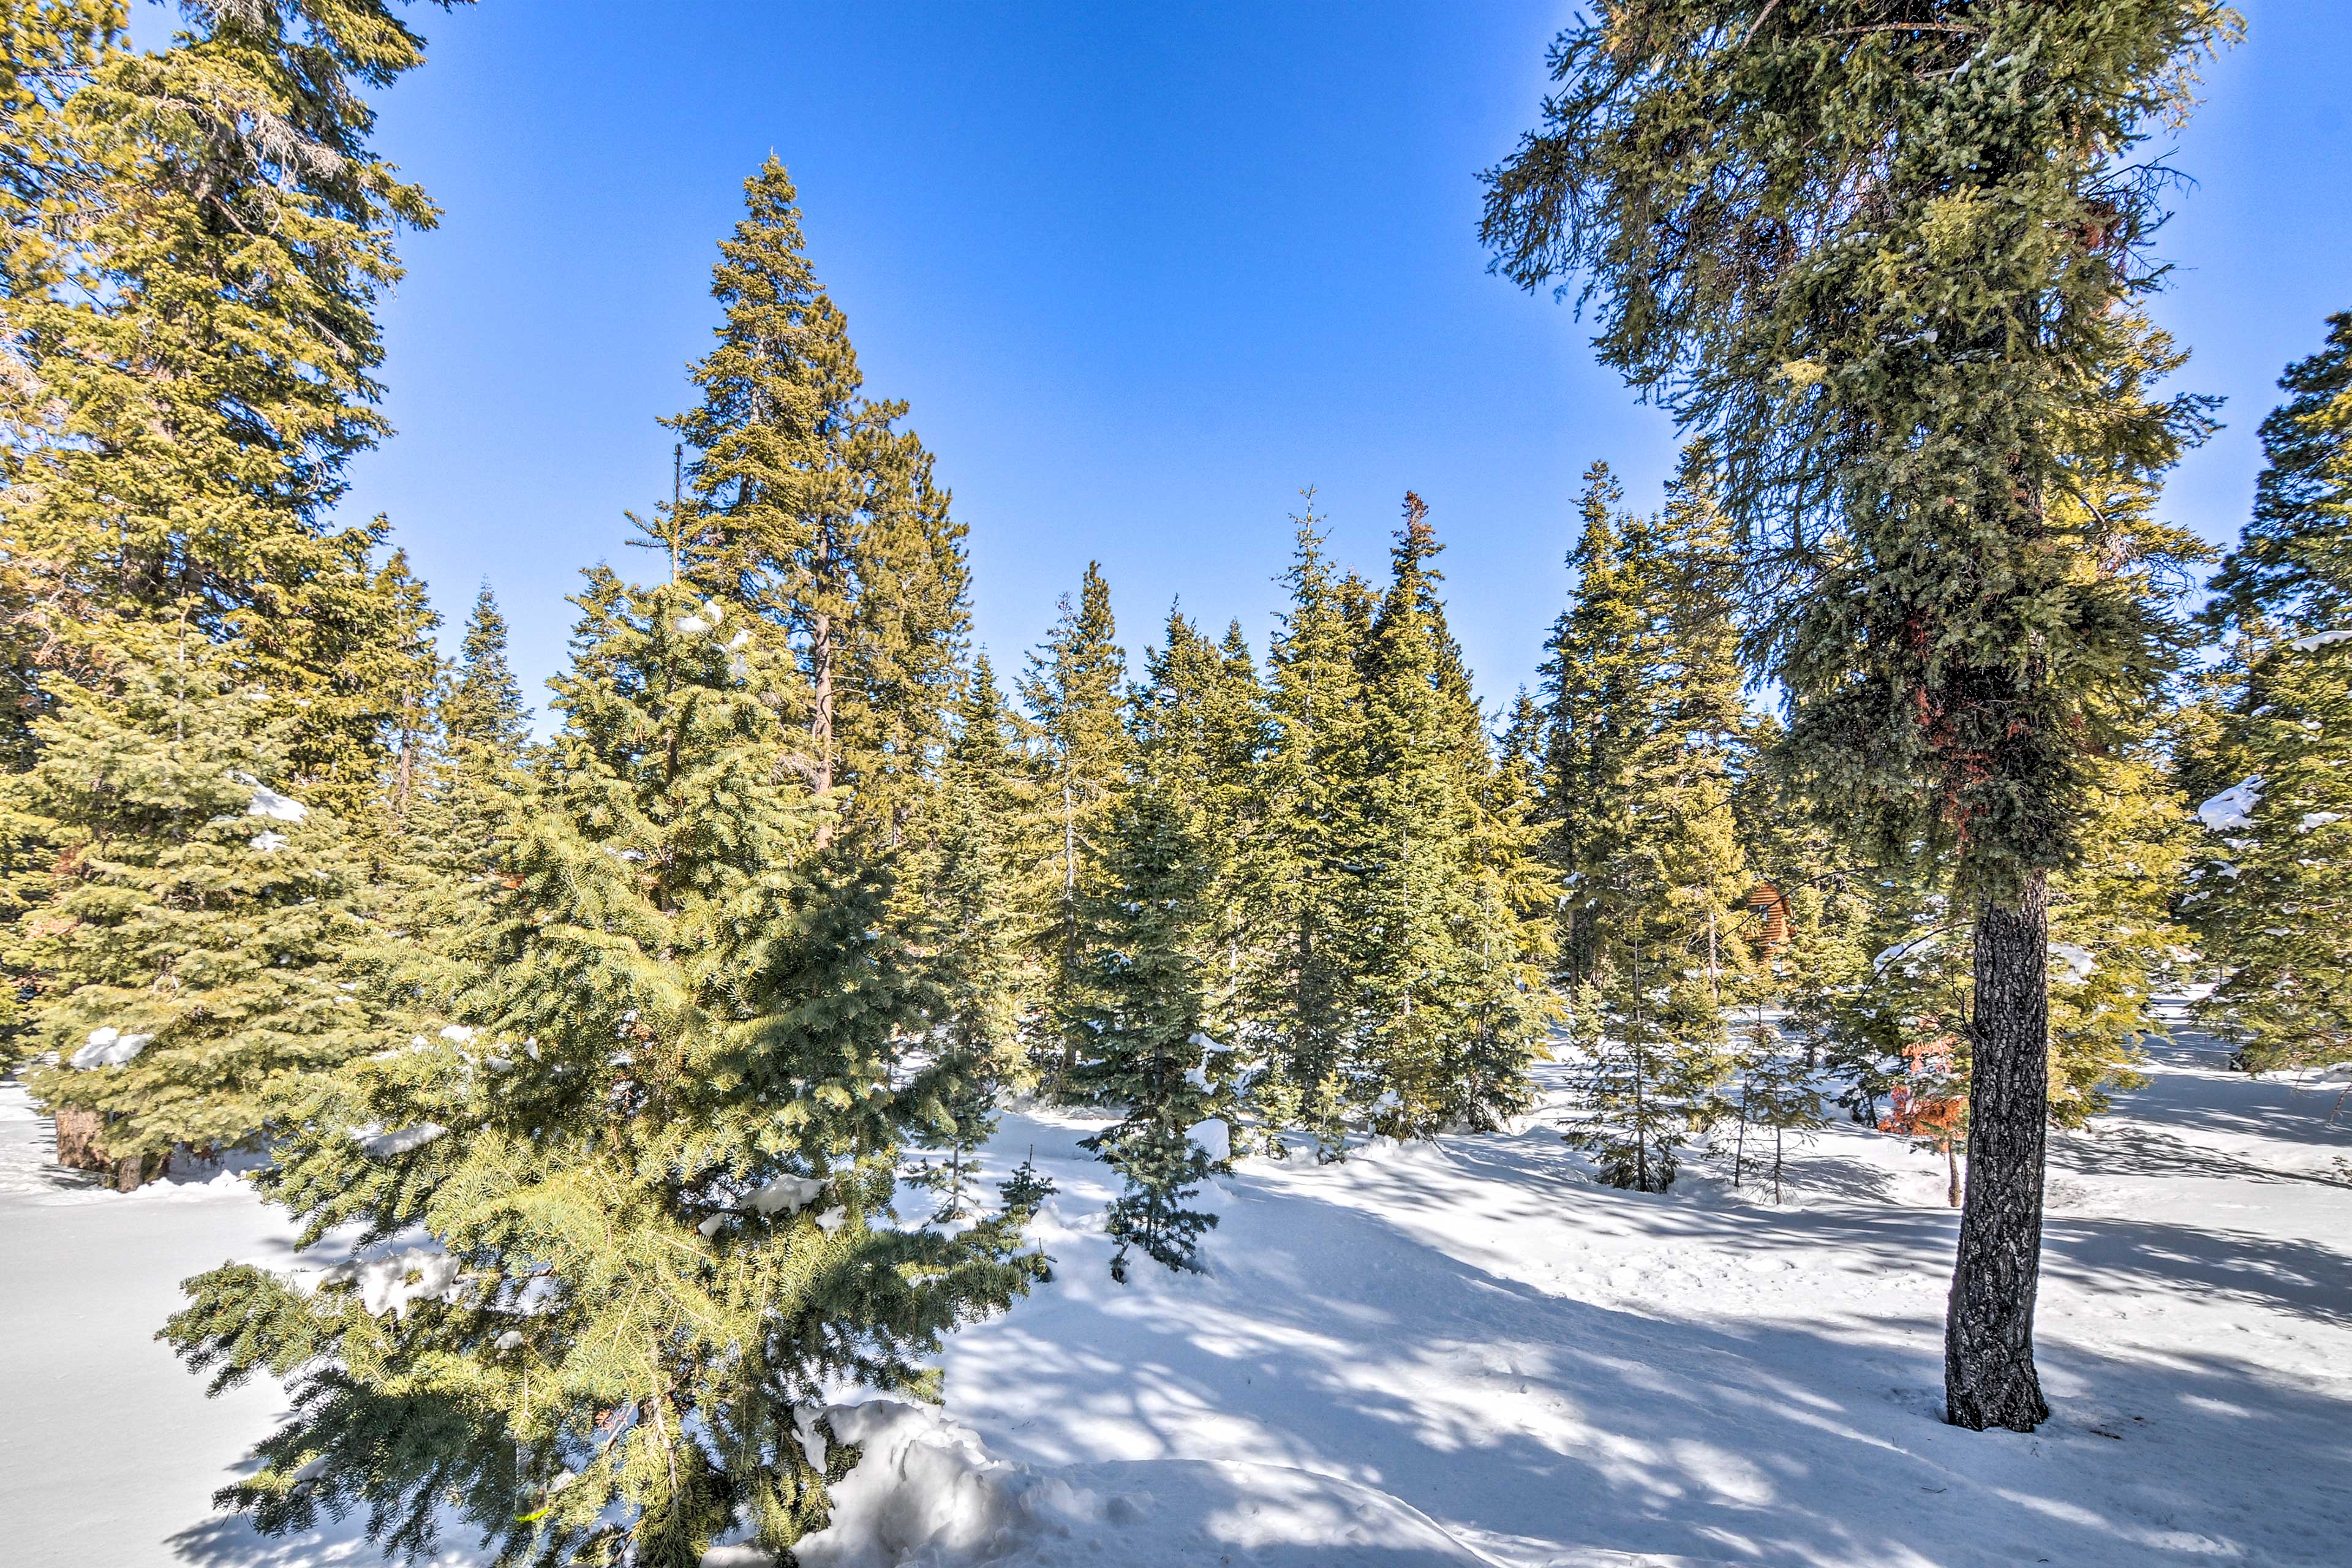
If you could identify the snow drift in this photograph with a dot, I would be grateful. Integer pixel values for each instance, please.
(926, 1492)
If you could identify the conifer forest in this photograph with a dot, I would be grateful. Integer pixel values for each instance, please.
(1846, 1065)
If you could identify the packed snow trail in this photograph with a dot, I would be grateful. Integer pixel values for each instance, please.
(1473, 1344)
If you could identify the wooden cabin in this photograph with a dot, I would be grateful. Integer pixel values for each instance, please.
(1769, 907)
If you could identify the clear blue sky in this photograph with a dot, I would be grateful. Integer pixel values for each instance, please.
(1142, 271)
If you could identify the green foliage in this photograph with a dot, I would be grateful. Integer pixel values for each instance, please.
(1888, 270)
(654, 1160)
(818, 514)
(1314, 841)
(189, 950)
(1644, 732)
(1143, 1047)
(975, 960)
(191, 321)
(1778, 1093)
(2292, 568)
(1442, 937)
(1074, 694)
(2270, 892)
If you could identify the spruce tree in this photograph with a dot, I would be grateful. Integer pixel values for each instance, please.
(1595, 697)
(1143, 1046)
(190, 955)
(1777, 1095)
(193, 314)
(1647, 732)
(1312, 788)
(652, 1165)
(1075, 694)
(1904, 360)
(466, 784)
(975, 961)
(2270, 892)
(1509, 1001)
(1416, 905)
(823, 517)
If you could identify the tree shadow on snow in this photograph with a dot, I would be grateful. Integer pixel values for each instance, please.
(1333, 1338)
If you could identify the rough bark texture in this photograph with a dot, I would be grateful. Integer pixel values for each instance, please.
(1989, 1376)
(81, 1146)
(78, 1148)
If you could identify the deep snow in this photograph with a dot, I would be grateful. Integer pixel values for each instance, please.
(1438, 1354)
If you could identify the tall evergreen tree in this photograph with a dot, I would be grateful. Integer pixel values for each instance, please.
(653, 1164)
(1312, 787)
(1595, 697)
(976, 961)
(1434, 912)
(823, 517)
(191, 279)
(1075, 694)
(2272, 891)
(1647, 732)
(1904, 360)
(1143, 1046)
(465, 787)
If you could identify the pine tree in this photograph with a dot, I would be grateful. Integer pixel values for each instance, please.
(825, 519)
(192, 314)
(1075, 698)
(1912, 359)
(1144, 1047)
(1646, 730)
(653, 1165)
(1777, 1093)
(1312, 803)
(976, 964)
(1650, 1073)
(1595, 696)
(465, 785)
(1510, 1003)
(2270, 894)
(190, 953)
(1416, 904)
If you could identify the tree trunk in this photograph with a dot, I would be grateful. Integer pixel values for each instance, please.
(79, 1147)
(1989, 1376)
(1951, 1174)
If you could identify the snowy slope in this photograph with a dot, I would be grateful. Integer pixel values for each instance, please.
(1440, 1354)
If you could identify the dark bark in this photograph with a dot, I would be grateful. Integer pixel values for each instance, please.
(1988, 1375)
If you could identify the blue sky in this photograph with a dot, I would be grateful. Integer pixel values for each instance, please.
(1142, 271)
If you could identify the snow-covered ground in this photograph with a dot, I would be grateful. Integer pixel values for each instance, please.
(1442, 1353)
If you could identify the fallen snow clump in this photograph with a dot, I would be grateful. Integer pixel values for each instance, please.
(2234, 806)
(108, 1048)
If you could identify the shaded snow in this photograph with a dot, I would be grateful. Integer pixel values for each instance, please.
(927, 1490)
(1451, 1351)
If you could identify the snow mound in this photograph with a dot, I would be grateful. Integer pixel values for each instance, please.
(926, 1492)
(2318, 640)
(1214, 1136)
